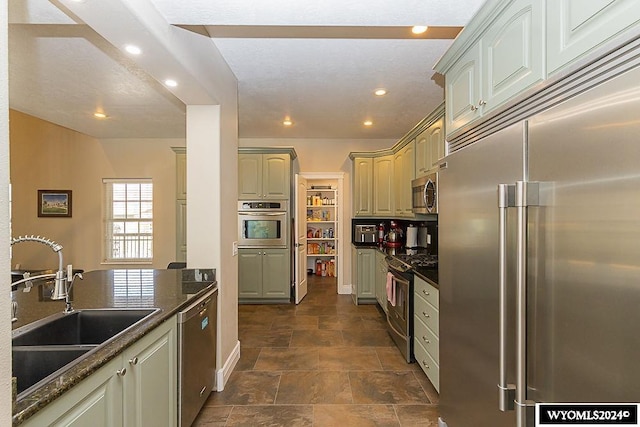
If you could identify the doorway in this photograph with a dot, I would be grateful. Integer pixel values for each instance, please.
(321, 253)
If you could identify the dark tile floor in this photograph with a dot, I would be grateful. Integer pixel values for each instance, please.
(325, 362)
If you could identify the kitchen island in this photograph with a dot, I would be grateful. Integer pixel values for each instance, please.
(121, 289)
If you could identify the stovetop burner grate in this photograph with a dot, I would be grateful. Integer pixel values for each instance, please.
(405, 262)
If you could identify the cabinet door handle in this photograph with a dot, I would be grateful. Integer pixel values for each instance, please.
(424, 313)
(134, 361)
(425, 292)
(121, 372)
(424, 363)
(481, 103)
(426, 340)
(473, 108)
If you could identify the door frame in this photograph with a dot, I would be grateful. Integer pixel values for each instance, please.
(344, 229)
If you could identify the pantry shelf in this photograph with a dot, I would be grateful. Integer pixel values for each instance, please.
(322, 229)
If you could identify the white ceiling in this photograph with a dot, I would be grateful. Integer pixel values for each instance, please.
(315, 61)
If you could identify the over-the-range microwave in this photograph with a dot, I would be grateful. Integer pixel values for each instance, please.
(424, 194)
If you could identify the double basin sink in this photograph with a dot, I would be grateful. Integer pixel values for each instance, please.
(47, 348)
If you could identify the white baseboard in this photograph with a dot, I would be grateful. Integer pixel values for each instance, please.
(344, 289)
(222, 375)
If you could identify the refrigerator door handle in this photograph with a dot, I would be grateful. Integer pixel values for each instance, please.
(506, 392)
(527, 194)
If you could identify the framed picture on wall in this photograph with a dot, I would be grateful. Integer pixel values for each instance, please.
(54, 203)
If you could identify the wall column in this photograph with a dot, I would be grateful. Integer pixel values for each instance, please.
(5, 268)
(211, 221)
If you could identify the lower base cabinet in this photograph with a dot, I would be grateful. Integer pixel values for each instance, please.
(363, 280)
(264, 274)
(426, 341)
(381, 280)
(137, 388)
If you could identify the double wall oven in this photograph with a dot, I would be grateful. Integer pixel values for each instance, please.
(263, 224)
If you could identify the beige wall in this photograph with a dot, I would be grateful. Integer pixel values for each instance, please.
(48, 156)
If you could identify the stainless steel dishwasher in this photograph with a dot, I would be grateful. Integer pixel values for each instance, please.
(197, 356)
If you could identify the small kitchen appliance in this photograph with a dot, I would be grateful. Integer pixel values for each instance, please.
(365, 233)
(393, 238)
(424, 194)
(424, 239)
(412, 236)
(381, 233)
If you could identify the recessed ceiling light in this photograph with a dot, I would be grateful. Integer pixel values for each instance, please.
(419, 29)
(99, 115)
(368, 123)
(380, 92)
(287, 121)
(132, 49)
(171, 83)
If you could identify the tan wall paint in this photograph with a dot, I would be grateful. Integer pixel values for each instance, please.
(48, 156)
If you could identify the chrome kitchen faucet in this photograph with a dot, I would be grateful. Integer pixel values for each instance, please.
(60, 290)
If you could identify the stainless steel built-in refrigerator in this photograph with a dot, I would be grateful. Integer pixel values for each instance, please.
(571, 259)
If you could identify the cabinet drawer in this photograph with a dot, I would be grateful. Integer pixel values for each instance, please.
(427, 338)
(426, 313)
(428, 365)
(426, 291)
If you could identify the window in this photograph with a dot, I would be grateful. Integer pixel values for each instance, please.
(128, 220)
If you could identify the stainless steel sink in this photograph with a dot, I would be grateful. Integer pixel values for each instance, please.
(58, 342)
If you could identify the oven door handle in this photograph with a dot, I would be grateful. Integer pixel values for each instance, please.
(262, 213)
(392, 326)
(397, 278)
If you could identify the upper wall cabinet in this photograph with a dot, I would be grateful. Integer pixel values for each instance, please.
(363, 186)
(505, 60)
(429, 147)
(576, 26)
(404, 172)
(462, 90)
(264, 176)
(383, 186)
(512, 53)
(512, 50)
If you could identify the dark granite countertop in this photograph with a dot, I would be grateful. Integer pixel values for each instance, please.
(131, 288)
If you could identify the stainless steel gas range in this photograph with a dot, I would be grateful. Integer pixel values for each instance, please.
(401, 268)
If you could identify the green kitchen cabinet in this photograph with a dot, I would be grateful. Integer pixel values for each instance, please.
(127, 390)
(404, 172)
(363, 275)
(426, 320)
(429, 147)
(363, 186)
(264, 274)
(383, 186)
(381, 280)
(264, 176)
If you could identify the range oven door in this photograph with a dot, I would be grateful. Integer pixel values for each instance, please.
(400, 314)
(262, 229)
